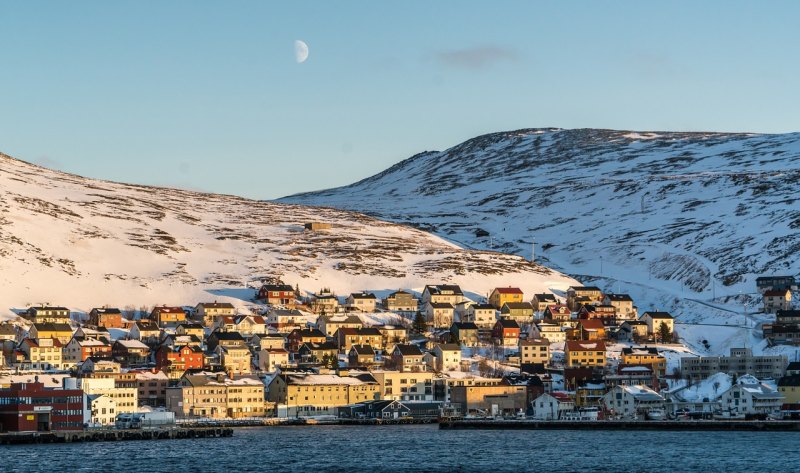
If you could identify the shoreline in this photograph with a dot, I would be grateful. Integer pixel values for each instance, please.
(705, 425)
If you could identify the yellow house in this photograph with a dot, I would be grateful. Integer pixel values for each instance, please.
(404, 386)
(61, 331)
(502, 295)
(584, 353)
(315, 394)
(235, 359)
(789, 386)
(645, 356)
(42, 354)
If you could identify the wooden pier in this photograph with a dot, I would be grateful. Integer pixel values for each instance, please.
(707, 425)
(74, 436)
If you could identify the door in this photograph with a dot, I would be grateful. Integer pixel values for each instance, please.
(43, 422)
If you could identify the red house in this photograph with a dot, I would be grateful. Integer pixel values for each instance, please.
(29, 407)
(277, 294)
(179, 359)
(506, 332)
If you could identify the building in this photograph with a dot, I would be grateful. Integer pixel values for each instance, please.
(751, 397)
(60, 331)
(46, 314)
(740, 362)
(632, 402)
(41, 354)
(277, 294)
(465, 333)
(386, 409)
(446, 357)
(329, 324)
(489, 400)
(176, 360)
(541, 301)
(404, 386)
(789, 388)
(361, 302)
(552, 406)
(325, 303)
(168, 316)
(392, 335)
(305, 394)
(402, 302)
(588, 329)
(78, 350)
(552, 332)
(534, 350)
(583, 295)
(347, 337)
(407, 358)
(506, 333)
(235, 359)
(777, 299)
(102, 410)
(106, 317)
(605, 313)
(520, 312)
(207, 312)
(325, 352)
(584, 353)
(443, 294)
(152, 387)
(126, 397)
(214, 395)
(30, 407)
(632, 331)
(483, 316)
(655, 320)
(146, 331)
(270, 340)
(225, 339)
(769, 283)
(361, 355)
(270, 359)
(438, 314)
(503, 295)
(284, 321)
(623, 304)
(557, 313)
(645, 356)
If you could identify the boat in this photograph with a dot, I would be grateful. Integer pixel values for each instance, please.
(656, 414)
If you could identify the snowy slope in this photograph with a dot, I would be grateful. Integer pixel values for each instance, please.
(83, 243)
(673, 218)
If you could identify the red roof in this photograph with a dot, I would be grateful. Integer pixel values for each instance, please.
(591, 324)
(776, 293)
(508, 290)
(563, 397)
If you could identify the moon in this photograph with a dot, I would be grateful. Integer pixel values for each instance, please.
(300, 51)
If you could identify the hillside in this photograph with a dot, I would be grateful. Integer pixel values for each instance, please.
(683, 221)
(82, 243)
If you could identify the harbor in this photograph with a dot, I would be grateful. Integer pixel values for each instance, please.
(113, 435)
(692, 425)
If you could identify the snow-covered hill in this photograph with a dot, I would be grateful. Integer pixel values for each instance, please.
(673, 218)
(83, 243)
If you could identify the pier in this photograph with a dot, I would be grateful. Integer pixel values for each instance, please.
(707, 425)
(74, 436)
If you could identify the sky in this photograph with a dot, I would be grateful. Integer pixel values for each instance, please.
(207, 95)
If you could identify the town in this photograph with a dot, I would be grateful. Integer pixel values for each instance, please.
(581, 355)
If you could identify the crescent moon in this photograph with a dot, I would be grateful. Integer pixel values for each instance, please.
(300, 51)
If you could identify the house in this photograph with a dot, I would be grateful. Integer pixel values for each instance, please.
(392, 335)
(41, 354)
(751, 397)
(300, 336)
(208, 312)
(124, 393)
(534, 350)
(94, 365)
(60, 331)
(106, 317)
(270, 359)
(520, 312)
(541, 301)
(319, 394)
(438, 314)
(482, 315)
(168, 316)
(462, 308)
(175, 361)
(552, 406)
(581, 295)
(234, 359)
(404, 386)
(446, 357)
(552, 332)
(402, 302)
(361, 355)
(632, 331)
(152, 387)
(632, 375)
(388, 409)
(270, 340)
(593, 329)
(284, 321)
(647, 357)
(277, 295)
(506, 333)
(188, 328)
(769, 283)
(623, 303)
(655, 320)
(777, 299)
(443, 294)
(789, 388)
(174, 340)
(557, 313)
(590, 394)
(31, 407)
(347, 337)
(46, 314)
(407, 358)
(533, 383)
(329, 324)
(740, 362)
(325, 302)
(605, 313)
(632, 402)
(77, 350)
(130, 352)
(465, 333)
(88, 333)
(361, 302)
(325, 352)
(502, 295)
(495, 399)
(102, 410)
(584, 353)
(146, 331)
(214, 395)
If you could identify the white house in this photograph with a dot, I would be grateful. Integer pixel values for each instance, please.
(632, 402)
(439, 314)
(101, 409)
(552, 406)
(447, 357)
(483, 316)
(749, 396)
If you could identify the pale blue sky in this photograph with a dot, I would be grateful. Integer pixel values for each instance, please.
(207, 95)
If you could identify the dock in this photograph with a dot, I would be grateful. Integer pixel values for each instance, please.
(113, 435)
(697, 425)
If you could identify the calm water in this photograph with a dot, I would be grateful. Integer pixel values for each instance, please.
(422, 448)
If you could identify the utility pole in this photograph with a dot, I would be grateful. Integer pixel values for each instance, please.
(533, 250)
